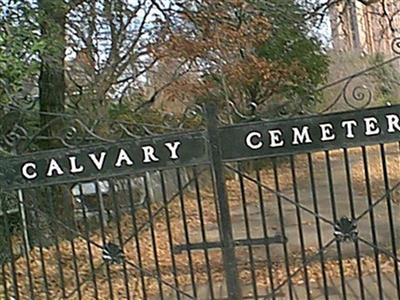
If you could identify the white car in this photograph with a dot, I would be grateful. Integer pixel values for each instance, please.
(85, 194)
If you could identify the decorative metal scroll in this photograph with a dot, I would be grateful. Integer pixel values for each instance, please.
(354, 93)
(346, 230)
(17, 137)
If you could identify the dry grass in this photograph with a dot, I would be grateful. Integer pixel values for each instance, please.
(150, 267)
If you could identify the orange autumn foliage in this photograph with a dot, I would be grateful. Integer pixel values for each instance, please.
(215, 41)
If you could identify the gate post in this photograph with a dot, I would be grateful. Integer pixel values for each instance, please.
(225, 223)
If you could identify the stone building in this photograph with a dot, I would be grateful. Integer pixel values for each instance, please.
(369, 26)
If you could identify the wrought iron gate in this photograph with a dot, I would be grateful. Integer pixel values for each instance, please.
(293, 208)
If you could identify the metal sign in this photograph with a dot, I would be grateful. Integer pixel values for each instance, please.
(238, 142)
(125, 157)
(300, 135)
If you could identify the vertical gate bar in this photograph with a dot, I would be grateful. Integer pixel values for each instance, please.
(317, 223)
(21, 207)
(153, 240)
(119, 232)
(42, 261)
(282, 227)
(372, 221)
(225, 223)
(25, 238)
(390, 213)
(76, 269)
(169, 232)
(102, 221)
(150, 187)
(186, 231)
(136, 235)
(10, 250)
(55, 236)
(300, 227)
(203, 231)
(100, 201)
(88, 245)
(353, 217)
(265, 233)
(247, 229)
(334, 216)
(4, 277)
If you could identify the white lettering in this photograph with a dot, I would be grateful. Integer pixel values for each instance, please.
(26, 173)
(98, 162)
(123, 157)
(74, 166)
(393, 123)
(327, 133)
(148, 152)
(276, 138)
(301, 137)
(348, 126)
(249, 140)
(371, 126)
(54, 166)
(173, 148)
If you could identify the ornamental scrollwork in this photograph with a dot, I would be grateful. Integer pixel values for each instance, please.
(72, 131)
(396, 46)
(12, 139)
(353, 92)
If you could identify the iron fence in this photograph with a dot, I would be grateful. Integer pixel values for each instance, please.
(293, 208)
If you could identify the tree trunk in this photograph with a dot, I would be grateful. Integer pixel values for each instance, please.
(52, 102)
(52, 78)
